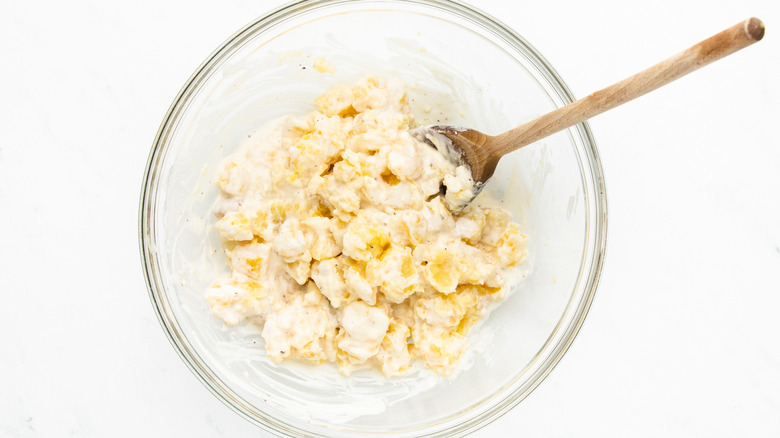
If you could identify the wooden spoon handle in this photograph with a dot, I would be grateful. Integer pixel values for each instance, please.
(725, 43)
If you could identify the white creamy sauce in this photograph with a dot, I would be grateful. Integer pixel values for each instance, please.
(341, 247)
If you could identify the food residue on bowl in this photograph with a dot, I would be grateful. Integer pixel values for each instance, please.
(343, 250)
(322, 65)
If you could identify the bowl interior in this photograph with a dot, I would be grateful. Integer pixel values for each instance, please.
(461, 69)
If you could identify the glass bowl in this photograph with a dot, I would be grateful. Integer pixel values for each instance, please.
(462, 67)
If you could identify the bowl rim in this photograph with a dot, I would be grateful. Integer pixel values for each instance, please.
(566, 329)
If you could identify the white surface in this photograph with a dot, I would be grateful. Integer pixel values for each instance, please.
(681, 339)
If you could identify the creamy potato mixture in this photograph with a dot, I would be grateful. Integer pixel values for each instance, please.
(341, 247)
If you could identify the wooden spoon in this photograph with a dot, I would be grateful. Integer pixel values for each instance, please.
(481, 152)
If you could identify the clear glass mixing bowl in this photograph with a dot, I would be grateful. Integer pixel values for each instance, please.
(463, 67)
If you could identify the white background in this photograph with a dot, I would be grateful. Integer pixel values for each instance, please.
(682, 339)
